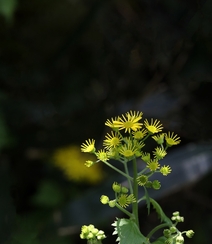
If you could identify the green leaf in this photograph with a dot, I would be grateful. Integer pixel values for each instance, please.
(160, 212)
(160, 240)
(128, 232)
(147, 200)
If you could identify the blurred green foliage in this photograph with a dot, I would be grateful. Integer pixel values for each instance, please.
(7, 8)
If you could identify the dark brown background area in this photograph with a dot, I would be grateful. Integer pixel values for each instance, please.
(67, 66)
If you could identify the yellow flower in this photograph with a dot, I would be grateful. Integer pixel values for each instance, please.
(127, 150)
(159, 138)
(112, 140)
(125, 200)
(142, 180)
(139, 134)
(89, 163)
(129, 121)
(172, 139)
(88, 146)
(111, 123)
(154, 126)
(138, 144)
(70, 161)
(165, 170)
(145, 157)
(153, 165)
(113, 153)
(159, 153)
(102, 155)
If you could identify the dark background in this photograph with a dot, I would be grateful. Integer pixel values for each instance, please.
(67, 66)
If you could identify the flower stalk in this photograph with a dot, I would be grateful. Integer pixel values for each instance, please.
(126, 144)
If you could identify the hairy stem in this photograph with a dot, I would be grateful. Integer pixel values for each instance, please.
(135, 192)
(123, 210)
(118, 170)
(156, 229)
(129, 182)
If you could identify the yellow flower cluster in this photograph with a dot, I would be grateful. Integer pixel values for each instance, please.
(69, 160)
(125, 148)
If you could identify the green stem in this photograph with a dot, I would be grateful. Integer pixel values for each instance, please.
(135, 192)
(127, 172)
(124, 210)
(118, 170)
(142, 199)
(142, 171)
(156, 229)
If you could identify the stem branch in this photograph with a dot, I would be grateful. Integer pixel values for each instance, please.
(135, 192)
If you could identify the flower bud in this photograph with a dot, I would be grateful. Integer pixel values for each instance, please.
(189, 233)
(173, 229)
(116, 187)
(176, 213)
(156, 185)
(179, 239)
(166, 233)
(104, 199)
(124, 189)
(169, 241)
(112, 203)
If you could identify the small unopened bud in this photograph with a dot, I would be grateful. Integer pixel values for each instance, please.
(116, 187)
(112, 203)
(104, 199)
(189, 233)
(179, 239)
(156, 185)
(173, 229)
(124, 189)
(166, 233)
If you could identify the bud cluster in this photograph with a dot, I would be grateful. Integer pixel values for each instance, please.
(92, 234)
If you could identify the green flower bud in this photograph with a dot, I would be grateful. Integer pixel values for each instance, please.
(100, 235)
(124, 189)
(116, 187)
(189, 233)
(176, 213)
(169, 241)
(156, 185)
(112, 203)
(173, 229)
(82, 236)
(179, 239)
(104, 199)
(179, 219)
(95, 231)
(148, 184)
(166, 233)
(90, 236)
(85, 229)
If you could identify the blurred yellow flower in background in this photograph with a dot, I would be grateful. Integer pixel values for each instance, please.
(72, 162)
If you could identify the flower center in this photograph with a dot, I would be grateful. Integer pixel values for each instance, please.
(128, 124)
(138, 135)
(115, 141)
(90, 148)
(170, 141)
(128, 153)
(152, 129)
